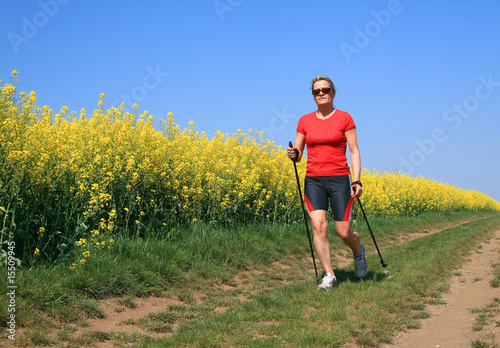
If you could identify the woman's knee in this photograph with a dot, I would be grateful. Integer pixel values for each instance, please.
(344, 230)
(318, 221)
(319, 226)
(345, 236)
(349, 236)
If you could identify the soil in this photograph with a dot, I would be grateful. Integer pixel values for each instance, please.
(451, 325)
(117, 315)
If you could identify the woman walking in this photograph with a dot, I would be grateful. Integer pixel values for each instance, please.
(327, 132)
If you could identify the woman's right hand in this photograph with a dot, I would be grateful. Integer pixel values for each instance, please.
(292, 153)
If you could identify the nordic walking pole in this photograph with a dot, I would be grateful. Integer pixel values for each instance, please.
(304, 211)
(373, 237)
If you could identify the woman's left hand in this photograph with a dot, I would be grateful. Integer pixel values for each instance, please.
(356, 190)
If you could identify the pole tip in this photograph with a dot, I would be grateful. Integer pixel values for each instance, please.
(383, 263)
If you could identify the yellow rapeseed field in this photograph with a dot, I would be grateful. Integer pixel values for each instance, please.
(71, 178)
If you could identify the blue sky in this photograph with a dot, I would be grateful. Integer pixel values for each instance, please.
(420, 78)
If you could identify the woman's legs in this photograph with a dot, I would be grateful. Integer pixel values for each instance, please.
(321, 243)
(350, 237)
(318, 192)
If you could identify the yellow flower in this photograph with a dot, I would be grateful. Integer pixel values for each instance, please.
(121, 161)
(72, 267)
(86, 253)
(37, 252)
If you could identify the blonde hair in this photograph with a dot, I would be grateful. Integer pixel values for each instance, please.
(321, 77)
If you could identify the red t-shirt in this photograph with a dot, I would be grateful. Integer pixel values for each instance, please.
(326, 143)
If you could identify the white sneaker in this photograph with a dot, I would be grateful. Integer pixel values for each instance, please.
(360, 265)
(329, 281)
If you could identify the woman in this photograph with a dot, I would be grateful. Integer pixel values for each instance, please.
(326, 132)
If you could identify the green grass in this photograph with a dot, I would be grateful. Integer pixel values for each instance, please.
(127, 301)
(495, 282)
(144, 267)
(487, 322)
(487, 319)
(156, 322)
(269, 304)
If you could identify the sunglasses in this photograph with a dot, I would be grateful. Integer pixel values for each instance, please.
(325, 90)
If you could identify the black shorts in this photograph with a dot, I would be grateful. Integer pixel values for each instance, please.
(336, 190)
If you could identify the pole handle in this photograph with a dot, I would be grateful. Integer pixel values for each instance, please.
(296, 152)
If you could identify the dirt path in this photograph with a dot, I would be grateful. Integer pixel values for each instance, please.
(451, 325)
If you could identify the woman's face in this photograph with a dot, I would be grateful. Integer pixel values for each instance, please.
(323, 98)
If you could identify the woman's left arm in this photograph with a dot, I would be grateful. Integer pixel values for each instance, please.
(352, 141)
